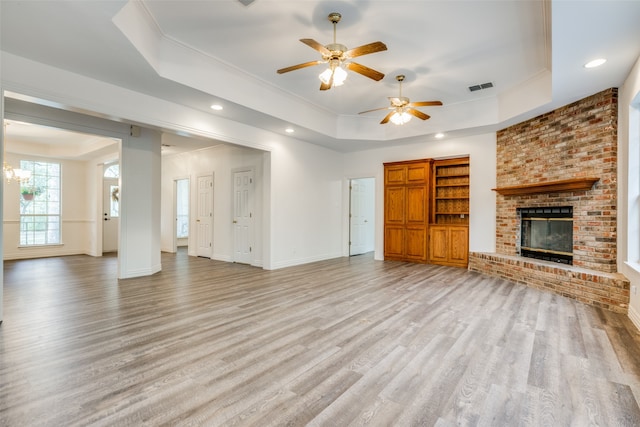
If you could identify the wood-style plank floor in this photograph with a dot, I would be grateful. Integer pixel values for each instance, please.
(343, 342)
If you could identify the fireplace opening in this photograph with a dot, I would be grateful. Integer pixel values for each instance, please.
(547, 233)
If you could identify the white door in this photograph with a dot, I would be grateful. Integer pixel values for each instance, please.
(242, 216)
(204, 218)
(362, 210)
(111, 214)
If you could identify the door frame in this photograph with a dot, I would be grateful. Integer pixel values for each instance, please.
(174, 238)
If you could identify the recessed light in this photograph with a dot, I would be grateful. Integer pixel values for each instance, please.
(216, 107)
(439, 135)
(595, 63)
(289, 130)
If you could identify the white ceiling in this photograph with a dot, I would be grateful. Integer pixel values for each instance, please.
(532, 51)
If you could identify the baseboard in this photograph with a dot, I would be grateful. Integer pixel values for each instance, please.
(140, 272)
(635, 317)
(301, 261)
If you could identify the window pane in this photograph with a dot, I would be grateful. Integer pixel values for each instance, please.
(112, 171)
(114, 190)
(40, 204)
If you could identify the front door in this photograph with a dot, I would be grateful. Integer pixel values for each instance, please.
(242, 216)
(204, 219)
(111, 215)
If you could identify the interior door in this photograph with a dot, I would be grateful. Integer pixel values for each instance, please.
(111, 214)
(242, 216)
(204, 218)
(361, 216)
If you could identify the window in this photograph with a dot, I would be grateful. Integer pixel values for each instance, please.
(40, 204)
(113, 171)
(182, 208)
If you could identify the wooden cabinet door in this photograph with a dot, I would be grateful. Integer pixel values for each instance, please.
(416, 243)
(395, 175)
(459, 245)
(394, 242)
(438, 236)
(449, 245)
(417, 173)
(416, 205)
(394, 205)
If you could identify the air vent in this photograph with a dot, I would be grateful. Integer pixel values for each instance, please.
(480, 86)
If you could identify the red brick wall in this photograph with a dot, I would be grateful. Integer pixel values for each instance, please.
(578, 140)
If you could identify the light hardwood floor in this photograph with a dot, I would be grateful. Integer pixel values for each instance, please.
(350, 341)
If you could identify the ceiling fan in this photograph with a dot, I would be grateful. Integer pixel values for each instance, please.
(338, 56)
(402, 108)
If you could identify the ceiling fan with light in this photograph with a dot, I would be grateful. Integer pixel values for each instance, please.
(402, 108)
(337, 56)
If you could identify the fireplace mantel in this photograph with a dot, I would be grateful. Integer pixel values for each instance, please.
(575, 184)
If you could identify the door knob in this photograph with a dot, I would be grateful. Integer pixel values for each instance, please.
(107, 219)
(235, 222)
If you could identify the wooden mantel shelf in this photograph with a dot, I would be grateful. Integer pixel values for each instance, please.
(575, 184)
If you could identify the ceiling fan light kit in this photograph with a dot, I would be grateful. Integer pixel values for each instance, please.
(402, 108)
(338, 57)
(400, 117)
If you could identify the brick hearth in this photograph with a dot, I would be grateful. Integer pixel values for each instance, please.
(575, 141)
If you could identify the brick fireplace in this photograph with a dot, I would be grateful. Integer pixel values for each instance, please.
(565, 158)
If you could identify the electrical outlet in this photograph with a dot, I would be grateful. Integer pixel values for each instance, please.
(634, 290)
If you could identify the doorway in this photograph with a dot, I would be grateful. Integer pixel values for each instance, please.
(110, 208)
(181, 213)
(361, 216)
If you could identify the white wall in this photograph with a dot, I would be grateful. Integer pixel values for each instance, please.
(482, 152)
(306, 204)
(629, 187)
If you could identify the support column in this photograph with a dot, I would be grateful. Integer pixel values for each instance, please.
(140, 162)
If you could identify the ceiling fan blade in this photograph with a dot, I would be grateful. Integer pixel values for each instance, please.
(424, 103)
(387, 117)
(365, 71)
(418, 114)
(375, 109)
(317, 46)
(365, 49)
(297, 67)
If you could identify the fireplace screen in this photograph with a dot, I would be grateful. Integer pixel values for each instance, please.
(547, 233)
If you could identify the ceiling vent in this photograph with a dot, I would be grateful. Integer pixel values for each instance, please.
(480, 86)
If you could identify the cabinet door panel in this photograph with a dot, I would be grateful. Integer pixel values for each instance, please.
(394, 242)
(416, 205)
(394, 205)
(458, 245)
(438, 244)
(417, 174)
(395, 175)
(416, 243)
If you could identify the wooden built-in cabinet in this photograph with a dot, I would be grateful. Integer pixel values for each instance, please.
(406, 213)
(426, 211)
(449, 225)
